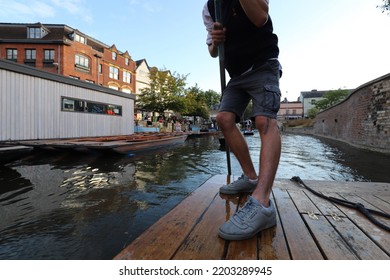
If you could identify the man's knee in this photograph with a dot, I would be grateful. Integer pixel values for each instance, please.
(264, 124)
(225, 119)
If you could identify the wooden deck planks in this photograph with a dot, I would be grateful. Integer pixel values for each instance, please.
(300, 241)
(308, 227)
(162, 239)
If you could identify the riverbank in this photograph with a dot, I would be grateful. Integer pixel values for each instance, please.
(309, 130)
(361, 120)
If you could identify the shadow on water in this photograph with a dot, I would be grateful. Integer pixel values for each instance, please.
(89, 206)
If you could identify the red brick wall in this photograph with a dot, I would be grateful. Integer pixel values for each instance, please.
(65, 57)
(39, 54)
(363, 119)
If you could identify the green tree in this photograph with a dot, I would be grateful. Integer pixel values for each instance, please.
(196, 103)
(312, 113)
(331, 98)
(166, 92)
(212, 98)
(385, 7)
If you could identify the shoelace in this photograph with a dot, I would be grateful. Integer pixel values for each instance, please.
(237, 181)
(246, 210)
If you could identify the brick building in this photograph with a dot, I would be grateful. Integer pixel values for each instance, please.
(61, 49)
(290, 110)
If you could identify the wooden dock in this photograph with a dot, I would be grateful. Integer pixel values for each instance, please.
(308, 227)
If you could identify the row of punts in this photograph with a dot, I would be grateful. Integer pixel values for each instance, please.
(123, 144)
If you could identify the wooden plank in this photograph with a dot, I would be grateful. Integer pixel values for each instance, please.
(325, 207)
(203, 242)
(329, 241)
(272, 242)
(379, 235)
(163, 238)
(382, 203)
(337, 186)
(363, 247)
(303, 203)
(332, 245)
(301, 244)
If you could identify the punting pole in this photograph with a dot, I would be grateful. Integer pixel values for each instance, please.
(221, 55)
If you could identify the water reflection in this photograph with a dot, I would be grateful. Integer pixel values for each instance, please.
(69, 206)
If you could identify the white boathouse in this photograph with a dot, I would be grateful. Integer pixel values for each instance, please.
(35, 104)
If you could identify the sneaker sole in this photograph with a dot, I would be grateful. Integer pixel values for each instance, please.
(241, 237)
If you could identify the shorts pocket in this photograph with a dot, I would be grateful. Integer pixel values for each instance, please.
(272, 97)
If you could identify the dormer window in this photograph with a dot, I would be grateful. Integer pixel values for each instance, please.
(35, 32)
(79, 39)
(113, 55)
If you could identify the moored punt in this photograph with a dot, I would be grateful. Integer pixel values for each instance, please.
(122, 144)
(9, 153)
(308, 227)
(131, 146)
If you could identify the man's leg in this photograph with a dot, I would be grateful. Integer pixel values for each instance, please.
(269, 158)
(236, 142)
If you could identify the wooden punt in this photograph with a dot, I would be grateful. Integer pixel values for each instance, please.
(9, 153)
(133, 146)
(308, 227)
(122, 144)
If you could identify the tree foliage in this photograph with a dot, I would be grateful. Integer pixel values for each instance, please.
(195, 103)
(385, 7)
(312, 113)
(212, 98)
(331, 98)
(168, 93)
(165, 92)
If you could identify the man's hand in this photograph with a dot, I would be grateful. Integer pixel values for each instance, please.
(218, 36)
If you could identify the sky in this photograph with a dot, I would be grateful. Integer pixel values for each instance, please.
(324, 45)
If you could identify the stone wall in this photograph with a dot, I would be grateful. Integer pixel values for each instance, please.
(362, 120)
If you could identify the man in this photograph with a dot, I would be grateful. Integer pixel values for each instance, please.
(251, 59)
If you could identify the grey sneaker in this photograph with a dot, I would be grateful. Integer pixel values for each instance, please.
(248, 221)
(242, 184)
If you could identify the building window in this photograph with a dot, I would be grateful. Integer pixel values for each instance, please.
(80, 39)
(114, 73)
(82, 61)
(49, 55)
(30, 57)
(85, 106)
(12, 54)
(100, 68)
(34, 33)
(31, 54)
(113, 55)
(127, 77)
(127, 61)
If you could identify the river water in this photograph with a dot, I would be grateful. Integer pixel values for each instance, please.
(85, 206)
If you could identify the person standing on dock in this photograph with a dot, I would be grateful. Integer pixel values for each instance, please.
(251, 59)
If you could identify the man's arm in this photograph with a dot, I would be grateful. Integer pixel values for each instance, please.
(256, 10)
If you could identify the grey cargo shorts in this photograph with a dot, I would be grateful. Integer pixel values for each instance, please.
(261, 85)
